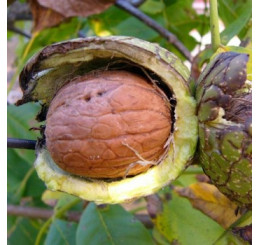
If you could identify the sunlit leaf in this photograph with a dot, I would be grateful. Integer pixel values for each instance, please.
(110, 225)
(230, 10)
(236, 26)
(180, 223)
(208, 199)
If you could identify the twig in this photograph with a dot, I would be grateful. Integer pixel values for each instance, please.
(214, 25)
(18, 31)
(43, 213)
(21, 143)
(39, 213)
(125, 5)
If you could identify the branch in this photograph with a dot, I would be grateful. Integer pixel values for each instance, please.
(18, 31)
(21, 143)
(43, 213)
(123, 4)
(39, 213)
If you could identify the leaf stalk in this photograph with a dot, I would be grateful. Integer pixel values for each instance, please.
(214, 25)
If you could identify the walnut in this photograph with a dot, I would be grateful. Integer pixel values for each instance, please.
(108, 124)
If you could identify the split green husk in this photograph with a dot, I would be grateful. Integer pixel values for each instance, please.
(57, 64)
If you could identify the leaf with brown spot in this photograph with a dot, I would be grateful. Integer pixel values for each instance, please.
(48, 13)
(207, 198)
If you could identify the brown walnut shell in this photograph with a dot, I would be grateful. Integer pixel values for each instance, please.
(108, 124)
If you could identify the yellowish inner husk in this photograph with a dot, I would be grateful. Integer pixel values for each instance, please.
(181, 149)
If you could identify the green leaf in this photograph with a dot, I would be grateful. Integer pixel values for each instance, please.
(188, 176)
(11, 224)
(19, 121)
(64, 200)
(110, 225)
(181, 19)
(228, 237)
(65, 31)
(231, 239)
(180, 222)
(231, 10)
(236, 26)
(209, 200)
(152, 7)
(10, 34)
(115, 21)
(16, 170)
(24, 233)
(52, 198)
(34, 187)
(61, 232)
(22, 180)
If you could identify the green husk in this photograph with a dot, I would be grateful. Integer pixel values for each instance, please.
(55, 65)
(225, 114)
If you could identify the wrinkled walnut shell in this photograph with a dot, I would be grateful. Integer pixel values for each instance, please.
(108, 124)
